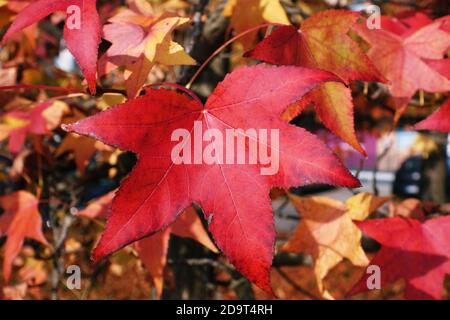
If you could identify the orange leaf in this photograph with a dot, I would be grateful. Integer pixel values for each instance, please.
(20, 220)
(327, 233)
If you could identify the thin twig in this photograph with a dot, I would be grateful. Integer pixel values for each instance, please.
(375, 169)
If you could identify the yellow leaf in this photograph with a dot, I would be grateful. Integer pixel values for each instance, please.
(14, 122)
(364, 204)
(273, 11)
(110, 99)
(160, 34)
(327, 233)
(138, 76)
(175, 54)
(151, 43)
(246, 14)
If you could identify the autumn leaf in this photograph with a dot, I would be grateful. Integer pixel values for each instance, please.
(327, 233)
(26, 40)
(153, 250)
(20, 220)
(363, 204)
(401, 56)
(411, 250)
(138, 42)
(82, 40)
(438, 121)
(234, 197)
(39, 119)
(408, 208)
(323, 42)
(246, 14)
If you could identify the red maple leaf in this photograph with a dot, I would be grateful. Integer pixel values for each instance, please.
(82, 41)
(406, 23)
(411, 250)
(439, 120)
(401, 53)
(234, 197)
(20, 220)
(323, 42)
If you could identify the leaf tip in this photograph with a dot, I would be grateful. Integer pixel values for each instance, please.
(354, 182)
(97, 255)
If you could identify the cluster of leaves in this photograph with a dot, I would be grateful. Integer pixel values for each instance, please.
(313, 65)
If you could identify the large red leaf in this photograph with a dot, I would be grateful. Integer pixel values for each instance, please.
(401, 54)
(82, 42)
(439, 120)
(415, 251)
(234, 197)
(323, 42)
(20, 220)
